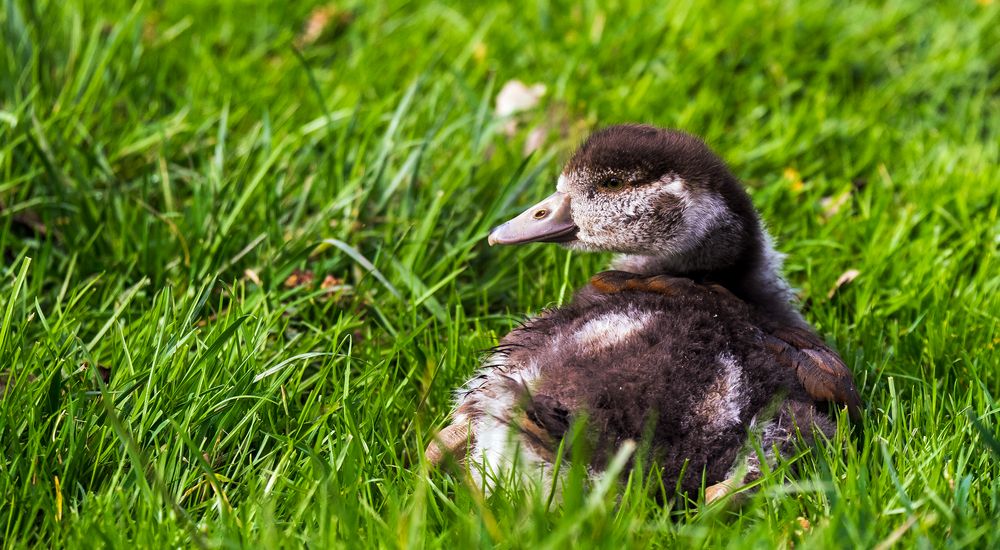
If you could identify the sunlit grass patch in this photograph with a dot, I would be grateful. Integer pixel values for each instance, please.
(166, 169)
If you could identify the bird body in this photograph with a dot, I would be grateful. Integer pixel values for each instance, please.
(689, 350)
(637, 365)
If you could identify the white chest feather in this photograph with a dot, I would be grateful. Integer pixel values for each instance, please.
(725, 399)
(610, 329)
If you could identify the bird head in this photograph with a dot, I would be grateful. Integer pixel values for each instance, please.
(644, 191)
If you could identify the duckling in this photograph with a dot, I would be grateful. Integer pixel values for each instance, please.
(686, 345)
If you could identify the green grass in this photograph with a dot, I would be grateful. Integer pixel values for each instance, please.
(183, 159)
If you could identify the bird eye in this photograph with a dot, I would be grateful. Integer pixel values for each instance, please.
(611, 183)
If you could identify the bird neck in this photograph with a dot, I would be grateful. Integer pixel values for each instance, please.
(751, 269)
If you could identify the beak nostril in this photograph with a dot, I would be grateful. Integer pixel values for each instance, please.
(547, 221)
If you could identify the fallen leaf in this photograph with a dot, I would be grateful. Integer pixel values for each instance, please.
(317, 21)
(831, 205)
(330, 282)
(299, 277)
(844, 279)
(516, 97)
(252, 276)
(323, 21)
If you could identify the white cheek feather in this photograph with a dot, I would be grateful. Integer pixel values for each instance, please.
(561, 183)
(702, 212)
(701, 215)
(725, 400)
(610, 329)
(639, 200)
(673, 185)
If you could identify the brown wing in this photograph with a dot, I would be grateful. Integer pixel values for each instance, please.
(609, 282)
(821, 371)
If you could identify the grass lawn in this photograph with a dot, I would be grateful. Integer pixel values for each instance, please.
(244, 259)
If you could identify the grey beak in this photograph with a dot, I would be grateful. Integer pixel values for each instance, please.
(549, 221)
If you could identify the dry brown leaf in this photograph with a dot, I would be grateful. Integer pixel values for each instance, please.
(330, 282)
(317, 22)
(300, 277)
(324, 20)
(252, 276)
(516, 97)
(844, 279)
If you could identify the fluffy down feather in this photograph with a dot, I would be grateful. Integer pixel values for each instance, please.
(686, 375)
